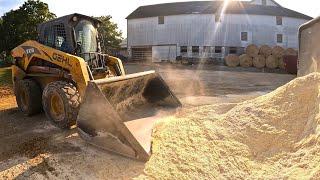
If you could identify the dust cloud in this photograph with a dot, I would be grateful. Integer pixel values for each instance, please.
(183, 83)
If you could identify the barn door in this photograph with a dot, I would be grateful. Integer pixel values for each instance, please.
(142, 54)
(164, 53)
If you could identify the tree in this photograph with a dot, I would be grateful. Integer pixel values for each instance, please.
(1, 35)
(20, 25)
(110, 36)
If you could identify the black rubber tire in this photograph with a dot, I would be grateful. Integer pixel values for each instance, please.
(28, 96)
(71, 101)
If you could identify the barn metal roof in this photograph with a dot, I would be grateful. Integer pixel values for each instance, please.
(212, 7)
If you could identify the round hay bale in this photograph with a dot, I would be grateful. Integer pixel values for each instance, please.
(259, 61)
(252, 50)
(281, 64)
(277, 51)
(265, 50)
(232, 60)
(290, 52)
(272, 62)
(245, 60)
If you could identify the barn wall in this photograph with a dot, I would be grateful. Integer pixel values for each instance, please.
(291, 25)
(202, 30)
(164, 53)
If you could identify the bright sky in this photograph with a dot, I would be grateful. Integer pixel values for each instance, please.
(120, 9)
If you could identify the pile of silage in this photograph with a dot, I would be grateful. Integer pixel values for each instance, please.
(276, 136)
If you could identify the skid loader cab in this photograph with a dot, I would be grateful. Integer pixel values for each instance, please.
(78, 35)
(66, 75)
(65, 34)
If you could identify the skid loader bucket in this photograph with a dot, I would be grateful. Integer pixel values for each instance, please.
(117, 114)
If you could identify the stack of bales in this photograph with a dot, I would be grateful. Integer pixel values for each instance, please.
(246, 60)
(278, 54)
(258, 60)
(266, 52)
(265, 56)
(252, 57)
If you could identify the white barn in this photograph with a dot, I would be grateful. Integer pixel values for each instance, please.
(209, 29)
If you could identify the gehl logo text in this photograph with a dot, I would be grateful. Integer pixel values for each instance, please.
(61, 59)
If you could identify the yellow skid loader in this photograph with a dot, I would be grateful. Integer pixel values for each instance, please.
(65, 74)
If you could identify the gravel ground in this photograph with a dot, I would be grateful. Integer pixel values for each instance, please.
(32, 148)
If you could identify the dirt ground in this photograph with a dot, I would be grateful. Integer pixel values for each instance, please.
(32, 148)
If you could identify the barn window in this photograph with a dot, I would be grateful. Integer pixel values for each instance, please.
(279, 20)
(218, 49)
(279, 38)
(233, 50)
(195, 49)
(161, 20)
(244, 36)
(183, 49)
(264, 2)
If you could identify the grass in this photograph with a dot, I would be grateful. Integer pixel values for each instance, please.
(5, 77)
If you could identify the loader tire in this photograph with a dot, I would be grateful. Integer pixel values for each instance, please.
(61, 101)
(28, 96)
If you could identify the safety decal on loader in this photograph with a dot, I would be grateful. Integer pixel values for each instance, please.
(30, 50)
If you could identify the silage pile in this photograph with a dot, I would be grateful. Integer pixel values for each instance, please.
(276, 136)
(7, 99)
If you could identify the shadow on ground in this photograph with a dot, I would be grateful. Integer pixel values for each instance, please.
(32, 148)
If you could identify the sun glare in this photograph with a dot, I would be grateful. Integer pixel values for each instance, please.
(221, 13)
(224, 7)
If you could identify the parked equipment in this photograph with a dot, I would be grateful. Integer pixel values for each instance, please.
(309, 56)
(290, 62)
(66, 75)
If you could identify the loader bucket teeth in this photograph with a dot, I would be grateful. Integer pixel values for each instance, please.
(118, 114)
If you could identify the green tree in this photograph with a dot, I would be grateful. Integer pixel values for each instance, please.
(20, 25)
(110, 35)
(1, 35)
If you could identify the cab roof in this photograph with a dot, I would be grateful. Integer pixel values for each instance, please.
(68, 18)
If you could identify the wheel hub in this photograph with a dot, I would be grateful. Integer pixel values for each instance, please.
(57, 108)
